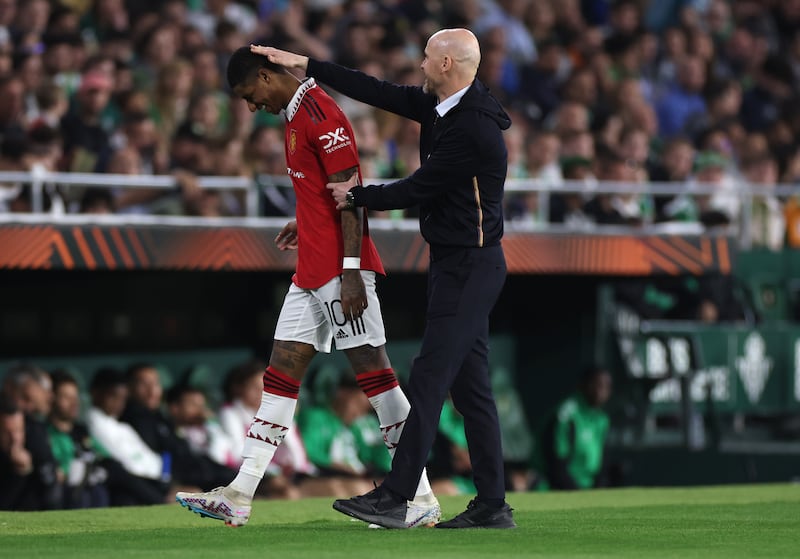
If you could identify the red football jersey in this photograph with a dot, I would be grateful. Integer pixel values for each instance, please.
(320, 142)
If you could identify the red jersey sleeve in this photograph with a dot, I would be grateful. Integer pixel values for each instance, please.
(334, 141)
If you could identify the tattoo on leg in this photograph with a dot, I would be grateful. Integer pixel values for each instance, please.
(292, 358)
(366, 358)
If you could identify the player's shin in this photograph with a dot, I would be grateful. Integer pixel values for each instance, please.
(268, 429)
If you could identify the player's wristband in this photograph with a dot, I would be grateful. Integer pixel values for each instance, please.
(351, 263)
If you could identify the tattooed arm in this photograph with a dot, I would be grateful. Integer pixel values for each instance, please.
(353, 294)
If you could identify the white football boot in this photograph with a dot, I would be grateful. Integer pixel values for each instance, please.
(423, 511)
(222, 503)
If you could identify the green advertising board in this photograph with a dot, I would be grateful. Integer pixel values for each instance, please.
(753, 370)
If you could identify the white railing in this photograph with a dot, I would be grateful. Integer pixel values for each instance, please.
(39, 179)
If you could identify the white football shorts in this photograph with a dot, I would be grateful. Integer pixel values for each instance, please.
(314, 316)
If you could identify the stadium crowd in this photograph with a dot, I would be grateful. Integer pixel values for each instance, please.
(683, 91)
(134, 437)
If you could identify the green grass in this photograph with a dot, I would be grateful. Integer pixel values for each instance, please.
(725, 522)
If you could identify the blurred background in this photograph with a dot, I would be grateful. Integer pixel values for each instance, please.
(652, 227)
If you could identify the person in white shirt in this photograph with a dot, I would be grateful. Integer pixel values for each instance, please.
(147, 476)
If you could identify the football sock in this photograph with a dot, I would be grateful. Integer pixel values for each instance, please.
(392, 407)
(270, 425)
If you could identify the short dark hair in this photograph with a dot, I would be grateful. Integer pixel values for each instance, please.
(175, 394)
(62, 376)
(106, 379)
(243, 64)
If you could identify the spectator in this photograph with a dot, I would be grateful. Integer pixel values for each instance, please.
(541, 163)
(514, 139)
(265, 156)
(767, 223)
(157, 48)
(139, 132)
(106, 17)
(45, 149)
(28, 67)
(634, 146)
(541, 157)
(541, 81)
(31, 389)
(683, 99)
(205, 115)
(572, 446)
(568, 207)
(675, 165)
(86, 139)
(613, 209)
(51, 105)
(773, 85)
(206, 75)
(724, 102)
(209, 13)
(27, 473)
(62, 60)
(721, 206)
(29, 479)
(210, 446)
(12, 110)
(508, 15)
(170, 100)
(158, 431)
(76, 453)
(569, 118)
(242, 390)
(141, 476)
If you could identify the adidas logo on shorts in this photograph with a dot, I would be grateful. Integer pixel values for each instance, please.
(341, 334)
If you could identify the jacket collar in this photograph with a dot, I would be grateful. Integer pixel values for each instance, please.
(445, 106)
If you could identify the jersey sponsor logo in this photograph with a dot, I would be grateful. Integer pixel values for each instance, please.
(295, 174)
(334, 140)
(341, 334)
(292, 141)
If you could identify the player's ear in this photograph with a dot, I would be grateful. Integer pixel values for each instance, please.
(264, 74)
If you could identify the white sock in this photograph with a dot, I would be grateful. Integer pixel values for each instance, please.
(273, 420)
(392, 408)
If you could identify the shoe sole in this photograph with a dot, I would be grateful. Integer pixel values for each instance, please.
(372, 518)
(205, 514)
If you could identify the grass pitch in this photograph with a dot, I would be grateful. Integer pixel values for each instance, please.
(725, 522)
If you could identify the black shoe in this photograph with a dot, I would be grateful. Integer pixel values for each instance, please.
(479, 515)
(376, 507)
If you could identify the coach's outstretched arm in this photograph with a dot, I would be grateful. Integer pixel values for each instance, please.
(407, 101)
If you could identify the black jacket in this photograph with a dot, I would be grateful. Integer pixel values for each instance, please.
(459, 185)
(39, 489)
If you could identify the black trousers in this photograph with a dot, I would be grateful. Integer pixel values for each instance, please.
(463, 286)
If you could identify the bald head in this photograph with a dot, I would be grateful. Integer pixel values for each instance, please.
(461, 46)
(451, 62)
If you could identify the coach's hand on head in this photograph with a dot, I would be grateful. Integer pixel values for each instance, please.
(282, 57)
